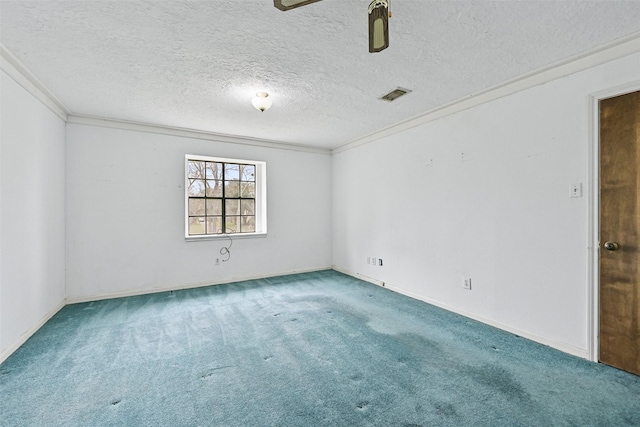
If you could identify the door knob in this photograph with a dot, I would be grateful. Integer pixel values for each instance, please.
(611, 246)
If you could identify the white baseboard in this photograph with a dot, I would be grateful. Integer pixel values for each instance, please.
(32, 330)
(4, 355)
(360, 276)
(575, 351)
(90, 298)
(579, 352)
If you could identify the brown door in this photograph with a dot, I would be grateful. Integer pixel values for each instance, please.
(620, 232)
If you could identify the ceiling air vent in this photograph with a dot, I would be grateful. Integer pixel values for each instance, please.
(395, 94)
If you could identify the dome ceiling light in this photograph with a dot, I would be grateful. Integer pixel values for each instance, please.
(261, 101)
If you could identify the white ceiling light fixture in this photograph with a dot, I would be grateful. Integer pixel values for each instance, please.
(261, 101)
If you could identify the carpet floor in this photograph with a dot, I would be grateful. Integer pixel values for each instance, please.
(315, 349)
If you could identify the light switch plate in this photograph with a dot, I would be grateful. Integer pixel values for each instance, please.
(576, 190)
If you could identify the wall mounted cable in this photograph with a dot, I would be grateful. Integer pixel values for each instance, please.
(226, 250)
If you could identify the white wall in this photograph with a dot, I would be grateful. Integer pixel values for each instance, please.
(483, 193)
(32, 250)
(125, 214)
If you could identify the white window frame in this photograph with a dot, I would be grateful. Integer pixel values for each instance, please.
(260, 198)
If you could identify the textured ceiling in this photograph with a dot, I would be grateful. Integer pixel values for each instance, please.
(197, 64)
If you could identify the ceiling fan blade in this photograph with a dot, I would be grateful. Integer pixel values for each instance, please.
(291, 4)
(378, 25)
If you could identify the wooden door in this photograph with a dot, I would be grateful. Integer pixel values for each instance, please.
(620, 232)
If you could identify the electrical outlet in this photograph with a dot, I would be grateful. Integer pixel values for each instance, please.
(380, 262)
(467, 283)
(374, 261)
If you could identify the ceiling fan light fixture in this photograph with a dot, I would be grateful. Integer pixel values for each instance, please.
(291, 4)
(378, 25)
(261, 101)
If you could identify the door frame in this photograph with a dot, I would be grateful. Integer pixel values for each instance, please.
(593, 221)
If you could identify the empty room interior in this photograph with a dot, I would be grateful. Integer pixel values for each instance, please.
(402, 212)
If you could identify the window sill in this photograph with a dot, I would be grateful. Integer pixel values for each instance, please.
(233, 236)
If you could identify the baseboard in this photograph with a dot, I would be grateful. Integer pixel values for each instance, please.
(575, 351)
(360, 276)
(25, 336)
(4, 355)
(76, 300)
(579, 352)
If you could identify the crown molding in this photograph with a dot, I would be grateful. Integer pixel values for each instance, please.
(608, 52)
(25, 78)
(190, 133)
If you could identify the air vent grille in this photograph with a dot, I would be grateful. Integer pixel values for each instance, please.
(395, 94)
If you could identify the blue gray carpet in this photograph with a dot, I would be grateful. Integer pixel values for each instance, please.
(317, 349)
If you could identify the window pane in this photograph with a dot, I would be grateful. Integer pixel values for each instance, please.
(232, 189)
(196, 225)
(214, 225)
(247, 172)
(223, 197)
(196, 207)
(196, 187)
(248, 189)
(214, 207)
(214, 188)
(247, 207)
(195, 169)
(248, 224)
(231, 171)
(232, 207)
(213, 170)
(232, 224)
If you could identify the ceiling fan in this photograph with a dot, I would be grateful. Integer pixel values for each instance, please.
(378, 20)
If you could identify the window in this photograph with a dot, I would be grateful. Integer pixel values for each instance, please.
(224, 196)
